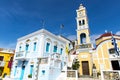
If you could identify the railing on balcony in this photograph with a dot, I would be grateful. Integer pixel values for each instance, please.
(21, 54)
(83, 46)
(56, 56)
(2, 63)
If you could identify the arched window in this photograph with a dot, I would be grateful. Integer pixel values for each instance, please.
(48, 44)
(80, 23)
(83, 22)
(83, 38)
(55, 48)
(47, 47)
(35, 43)
(27, 47)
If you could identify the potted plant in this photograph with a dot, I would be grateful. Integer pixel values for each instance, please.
(30, 76)
(98, 74)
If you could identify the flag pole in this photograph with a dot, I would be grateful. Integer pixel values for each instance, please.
(61, 27)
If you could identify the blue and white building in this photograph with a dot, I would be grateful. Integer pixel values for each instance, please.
(39, 56)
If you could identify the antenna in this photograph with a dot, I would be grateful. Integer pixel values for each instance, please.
(43, 23)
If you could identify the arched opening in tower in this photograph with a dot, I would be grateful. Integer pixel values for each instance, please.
(83, 38)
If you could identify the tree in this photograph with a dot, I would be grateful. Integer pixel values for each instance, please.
(75, 65)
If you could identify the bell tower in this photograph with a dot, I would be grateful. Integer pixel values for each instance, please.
(82, 26)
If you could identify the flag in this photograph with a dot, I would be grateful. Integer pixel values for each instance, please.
(115, 45)
(67, 50)
(62, 26)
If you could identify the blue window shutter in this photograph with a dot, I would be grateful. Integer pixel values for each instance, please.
(35, 46)
(27, 47)
(43, 72)
(55, 49)
(61, 50)
(47, 47)
(15, 70)
(31, 69)
(20, 48)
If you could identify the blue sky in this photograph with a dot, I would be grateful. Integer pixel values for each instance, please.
(21, 17)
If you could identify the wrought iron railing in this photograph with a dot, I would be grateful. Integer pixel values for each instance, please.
(82, 46)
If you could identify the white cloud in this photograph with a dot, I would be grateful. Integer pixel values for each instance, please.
(93, 37)
(118, 33)
(72, 37)
(8, 46)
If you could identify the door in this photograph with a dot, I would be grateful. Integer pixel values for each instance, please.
(85, 67)
(115, 65)
(22, 73)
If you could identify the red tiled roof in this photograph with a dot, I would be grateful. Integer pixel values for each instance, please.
(105, 35)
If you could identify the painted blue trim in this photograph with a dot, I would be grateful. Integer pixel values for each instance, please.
(34, 46)
(43, 72)
(61, 50)
(20, 48)
(22, 73)
(55, 49)
(15, 70)
(31, 69)
(47, 47)
(27, 47)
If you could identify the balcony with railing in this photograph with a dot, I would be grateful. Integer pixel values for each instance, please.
(84, 46)
(2, 63)
(56, 56)
(21, 54)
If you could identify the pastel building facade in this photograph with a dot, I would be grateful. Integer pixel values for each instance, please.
(84, 45)
(105, 56)
(101, 57)
(6, 59)
(39, 56)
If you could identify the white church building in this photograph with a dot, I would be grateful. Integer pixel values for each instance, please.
(40, 55)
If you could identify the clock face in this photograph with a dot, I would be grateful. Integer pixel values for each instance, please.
(80, 13)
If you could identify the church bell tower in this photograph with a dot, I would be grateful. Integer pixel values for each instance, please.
(82, 26)
(84, 46)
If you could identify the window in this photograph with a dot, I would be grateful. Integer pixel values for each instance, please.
(80, 23)
(55, 49)
(1, 58)
(83, 38)
(112, 51)
(43, 72)
(83, 22)
(27, 47)
(61, 50)
(31, 69)
(20, 48)
(47, 47)
(34, 49)
(15, 70)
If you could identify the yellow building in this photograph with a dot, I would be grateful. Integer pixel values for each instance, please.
(84, 46)
(103, 57)
(6, 57)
